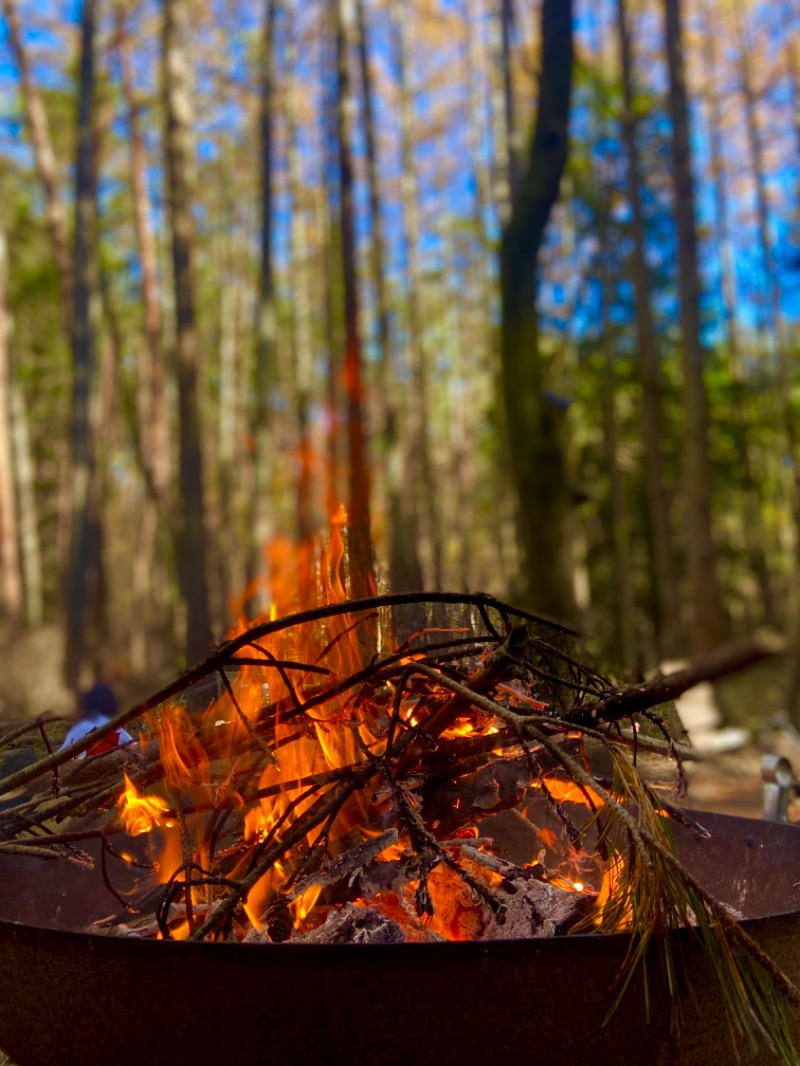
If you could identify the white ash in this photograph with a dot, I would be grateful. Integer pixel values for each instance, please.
(536, 909)
(355, 925)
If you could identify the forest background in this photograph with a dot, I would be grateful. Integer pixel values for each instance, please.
(513, 281)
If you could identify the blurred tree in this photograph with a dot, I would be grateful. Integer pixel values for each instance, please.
(180, 174)
(421, 512)
(360, 534)
(755, 532)
(301, 307)
(404, 567)
(535, 448)
(266, 322)
(707, 621)
(151, 393)
(11, 590)
(46, 164)
(83, 579)
(667, 619)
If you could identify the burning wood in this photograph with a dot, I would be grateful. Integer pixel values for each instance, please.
(442, 789)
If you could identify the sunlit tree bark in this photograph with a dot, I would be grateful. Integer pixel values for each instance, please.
(25, 476)
(535, 450)
(707, 622)
(360, 535)
(11, 586)
(180, 169)
(151, 376)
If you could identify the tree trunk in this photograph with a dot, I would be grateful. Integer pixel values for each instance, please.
(301, 315)
(754, 533)
(360, 537)
(180, 168)
(30, 546)
(404, 567)
(266, 326)
(506, 166)
(667, 617)
(535, 451)
(707, 621)
(423, 487)
(11, 587)
(83, 572)
(151, 393)
(46, 164)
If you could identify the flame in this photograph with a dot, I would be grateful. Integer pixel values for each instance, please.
(569, 792)
(139, 814)
(225, 759)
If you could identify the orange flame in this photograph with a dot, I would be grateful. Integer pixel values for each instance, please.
(220, 758)
(139, 814)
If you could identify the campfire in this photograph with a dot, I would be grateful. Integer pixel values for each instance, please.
(318, 780)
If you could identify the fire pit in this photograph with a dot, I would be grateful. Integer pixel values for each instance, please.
(369, 799)
(136, 1001)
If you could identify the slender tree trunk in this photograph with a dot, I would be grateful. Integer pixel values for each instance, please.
(474, 133)
(180, 167)
(334, 308)
(151, 393)
(755, 533)
(302, 340)
(266, 323)
(506, 168)
(663, 563)
(707, 620)
(535, 450)
(11, 586)
(418, 414)
(46, 164)
(506, 32)
(404, 566)
(30, 546)
(360, 537)
(83, 571)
